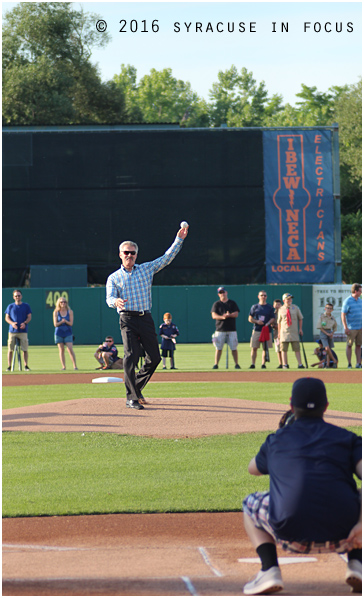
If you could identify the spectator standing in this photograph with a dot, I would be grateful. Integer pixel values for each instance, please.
(328, 326)
(313, 504)
(129, 290)
(261, 315)
(107, 355)
(18, 316)
(277, 304)
(169, 332)
(351, 316)
(290, 329)
(63, 336)
(224, 312)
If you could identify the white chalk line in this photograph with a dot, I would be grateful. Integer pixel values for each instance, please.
(205, 557)
(19, 580)
(47, 579)
(14, 547)
(282, 560)
(189, 585)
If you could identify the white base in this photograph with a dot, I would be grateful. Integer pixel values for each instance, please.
(106, 379)
(285, 560)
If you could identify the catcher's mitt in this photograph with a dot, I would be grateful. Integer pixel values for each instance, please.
(287, 419)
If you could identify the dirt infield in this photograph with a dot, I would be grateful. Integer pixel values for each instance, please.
(161, 418)
(338, 376)
(147, 555)
(153, 554)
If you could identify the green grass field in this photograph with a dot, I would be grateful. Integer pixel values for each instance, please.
(58, 474)
(189, 358)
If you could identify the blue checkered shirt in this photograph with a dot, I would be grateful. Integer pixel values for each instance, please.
(353, 310)
(136, 286)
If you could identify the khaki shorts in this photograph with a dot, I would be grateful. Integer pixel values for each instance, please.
(230, 337)
(23, 338)
(354, 335)
(255, 342)
(295, 346)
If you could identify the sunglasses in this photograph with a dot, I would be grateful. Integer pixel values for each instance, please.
(108, 341)
(129, 252)
(17, 296)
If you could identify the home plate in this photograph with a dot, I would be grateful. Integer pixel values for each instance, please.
(106, 379)
(285, 560)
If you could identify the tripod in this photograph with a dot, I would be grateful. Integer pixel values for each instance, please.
(227, 349)
(16, 356)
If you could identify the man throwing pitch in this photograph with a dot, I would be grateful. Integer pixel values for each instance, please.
(129, 290)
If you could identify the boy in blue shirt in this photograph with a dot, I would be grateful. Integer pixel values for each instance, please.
(168, 331)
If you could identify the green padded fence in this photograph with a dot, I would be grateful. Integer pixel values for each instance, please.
(190, 307)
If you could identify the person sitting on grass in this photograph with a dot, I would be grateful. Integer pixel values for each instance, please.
(313, 504)
(107, 355)
(322, 356)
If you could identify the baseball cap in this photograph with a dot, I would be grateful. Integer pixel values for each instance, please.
(221, 290)
(309, 393)
(287, 295)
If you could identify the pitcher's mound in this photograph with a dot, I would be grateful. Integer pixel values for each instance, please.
(161, 418)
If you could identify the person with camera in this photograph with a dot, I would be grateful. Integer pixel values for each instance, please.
(107, 355)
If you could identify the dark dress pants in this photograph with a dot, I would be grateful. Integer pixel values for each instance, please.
(136, 330)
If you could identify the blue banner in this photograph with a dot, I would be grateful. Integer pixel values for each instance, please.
(299, 206)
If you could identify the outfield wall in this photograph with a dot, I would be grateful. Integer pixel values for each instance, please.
(190, 307)
(117, 183)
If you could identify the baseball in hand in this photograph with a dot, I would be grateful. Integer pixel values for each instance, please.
(184, 224)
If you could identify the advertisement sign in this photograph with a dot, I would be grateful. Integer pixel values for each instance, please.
(331, 293)
(299, 206)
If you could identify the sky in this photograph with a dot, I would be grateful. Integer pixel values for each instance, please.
(284, 60)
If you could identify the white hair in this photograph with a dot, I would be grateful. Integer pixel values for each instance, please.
(128, 243)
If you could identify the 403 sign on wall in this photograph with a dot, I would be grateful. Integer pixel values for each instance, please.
(299, 206)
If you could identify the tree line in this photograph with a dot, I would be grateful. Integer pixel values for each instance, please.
(49, 79)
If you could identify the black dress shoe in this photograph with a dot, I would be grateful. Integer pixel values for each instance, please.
(134, 404)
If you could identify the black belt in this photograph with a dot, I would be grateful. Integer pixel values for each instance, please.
(135, 313)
